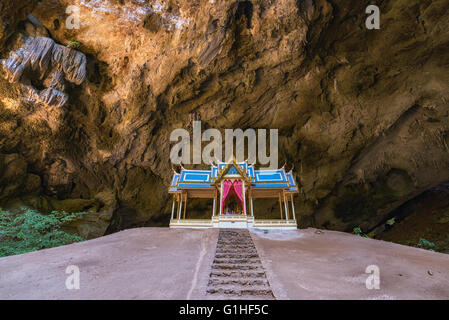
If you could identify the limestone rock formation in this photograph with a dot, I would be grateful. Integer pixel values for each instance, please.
(362, 114)
(48, 62)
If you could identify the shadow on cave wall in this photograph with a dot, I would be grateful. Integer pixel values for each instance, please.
(424, 217)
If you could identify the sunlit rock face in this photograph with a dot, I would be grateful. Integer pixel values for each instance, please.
(11, 13)
(362, 114)
(50, 63)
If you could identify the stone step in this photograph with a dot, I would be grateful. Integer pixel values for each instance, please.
(236, 267)
(235, 232)
(254, 260)
(237, 274)
(235, 239)
(235, 243)
(239, 251)
(238, 281)
(235, 247)
(241, 292)
(234, 255)
(236, 251)
(238, 288)
(231, 249)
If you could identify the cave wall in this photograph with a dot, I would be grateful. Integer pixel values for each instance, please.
(424, 217)
(362, 114)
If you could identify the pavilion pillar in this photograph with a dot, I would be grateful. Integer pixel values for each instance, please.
(179, 206)
(251, 204)
(244, 198)
(185, 206)
(293, 208)
(213, 205)
(280, 205)
(286, 206)
(221, 197)
(173, 208)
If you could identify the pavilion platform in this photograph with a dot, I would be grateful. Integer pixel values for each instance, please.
(235, 221)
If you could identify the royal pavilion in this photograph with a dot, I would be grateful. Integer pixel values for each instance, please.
(233, 187)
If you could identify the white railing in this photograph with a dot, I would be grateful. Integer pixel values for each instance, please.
(209, 223)
(274, 222)
(233, 217)
(191, 221)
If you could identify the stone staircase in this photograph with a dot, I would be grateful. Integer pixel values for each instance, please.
(237, 272)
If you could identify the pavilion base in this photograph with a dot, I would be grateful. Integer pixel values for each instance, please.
(235, 221)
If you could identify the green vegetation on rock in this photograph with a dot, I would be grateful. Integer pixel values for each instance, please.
(73, 44)
(30, 230)
(425, 243)
(358, 232)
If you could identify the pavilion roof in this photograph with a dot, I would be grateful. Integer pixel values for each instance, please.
(225, 169)
(264, 179)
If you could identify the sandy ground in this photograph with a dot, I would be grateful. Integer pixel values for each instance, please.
(162, 263)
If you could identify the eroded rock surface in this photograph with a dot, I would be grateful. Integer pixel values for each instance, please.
(362, 114)
(11, 13)
(50, 63)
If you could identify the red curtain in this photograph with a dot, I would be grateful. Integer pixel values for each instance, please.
(239, 192)
(236, 188)
(227, 185)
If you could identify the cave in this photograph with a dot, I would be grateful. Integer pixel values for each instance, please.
(347, 199)
(361, 114)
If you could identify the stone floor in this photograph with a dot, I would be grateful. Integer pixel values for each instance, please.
(162, 263)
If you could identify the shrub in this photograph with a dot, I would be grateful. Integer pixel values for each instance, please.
(73, 44)
(425, 243)
(358, 232)
(30, 230)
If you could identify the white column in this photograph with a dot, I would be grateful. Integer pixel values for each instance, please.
(185, 207)
(213, 207)
(244, 199)
(221, 197)
(280, 205)
(251, 204)
(180, 208)
(293, 210)
(286, 208)
(173, 208)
